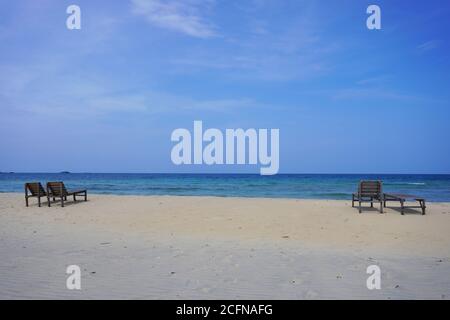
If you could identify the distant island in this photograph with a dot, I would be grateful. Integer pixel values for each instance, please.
(65, 172)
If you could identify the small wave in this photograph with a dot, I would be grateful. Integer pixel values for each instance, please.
(171, 189)
(405, 183)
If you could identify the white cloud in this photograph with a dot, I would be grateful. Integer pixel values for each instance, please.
(427, 46)
(264, 48)
(46, 91)
(378, 80)
(183, 16)
(375, 94)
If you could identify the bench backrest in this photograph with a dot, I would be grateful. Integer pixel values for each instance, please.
(35, 188)
(370, 188)
(56, 188)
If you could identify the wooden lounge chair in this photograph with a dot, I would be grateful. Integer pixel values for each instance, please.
(36, 191)
(402, 198)
(369, 191)
(58, 190)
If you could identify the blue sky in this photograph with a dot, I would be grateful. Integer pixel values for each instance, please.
(107, 97)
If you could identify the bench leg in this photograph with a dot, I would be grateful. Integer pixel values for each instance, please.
(85, 196)
(39, 201)
(422, 204)
(403, 207)
(371, 202)
(62, 201)
(360, 206)
(381, 206)
(74, 198)
(353, 201)
(48, 201)
(26, 195)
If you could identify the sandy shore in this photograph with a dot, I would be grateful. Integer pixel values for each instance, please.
(227, 248)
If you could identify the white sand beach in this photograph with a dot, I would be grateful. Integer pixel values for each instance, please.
(164, 247)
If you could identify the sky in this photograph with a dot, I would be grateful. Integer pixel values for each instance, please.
(107, 97)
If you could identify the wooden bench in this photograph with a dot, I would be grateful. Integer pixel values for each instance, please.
(36, 191)
(368, 191)
(402, 198)
(58, 190)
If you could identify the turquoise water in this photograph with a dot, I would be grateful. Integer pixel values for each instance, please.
(301, 186)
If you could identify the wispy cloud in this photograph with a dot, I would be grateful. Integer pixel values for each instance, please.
(377, 80)
(77, 95)
(183, 16)
(427, 46)
(293, 49)
(377, 94)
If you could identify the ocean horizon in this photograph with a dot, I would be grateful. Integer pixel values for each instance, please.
(433, 187)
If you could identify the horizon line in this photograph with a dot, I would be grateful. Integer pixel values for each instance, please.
(215, 173)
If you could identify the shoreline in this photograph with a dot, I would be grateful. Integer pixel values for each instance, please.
(15, 193)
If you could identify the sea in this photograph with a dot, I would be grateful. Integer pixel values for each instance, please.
(435, 187)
